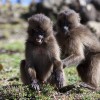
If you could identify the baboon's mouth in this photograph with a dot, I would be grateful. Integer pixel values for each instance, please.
(39, 41)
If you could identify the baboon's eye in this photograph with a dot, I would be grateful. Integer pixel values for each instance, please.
(68, 23)
(39, 32)
(60, 23)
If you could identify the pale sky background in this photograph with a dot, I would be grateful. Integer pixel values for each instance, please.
(23, 2)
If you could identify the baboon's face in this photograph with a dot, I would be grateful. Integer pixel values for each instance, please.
(66, 20)
(39, 27)
(36, 35)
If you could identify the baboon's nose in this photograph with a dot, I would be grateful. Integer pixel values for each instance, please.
(39, 39)
(40, 36)
(65, 28)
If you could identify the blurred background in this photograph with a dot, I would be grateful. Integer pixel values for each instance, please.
(16, 12)
(13, 27)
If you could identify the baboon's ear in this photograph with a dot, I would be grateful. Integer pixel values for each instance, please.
(29, 20)
(60, 15)
(51, 22)
(78, 17)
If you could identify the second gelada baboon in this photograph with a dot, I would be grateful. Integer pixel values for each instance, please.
(79, 47)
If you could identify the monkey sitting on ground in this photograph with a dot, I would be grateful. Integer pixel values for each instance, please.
(79, 47)
(42, 55)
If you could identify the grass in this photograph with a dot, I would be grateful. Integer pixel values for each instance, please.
(12, 88)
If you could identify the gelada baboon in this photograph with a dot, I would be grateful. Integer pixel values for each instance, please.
(42, 55)
(79, 47)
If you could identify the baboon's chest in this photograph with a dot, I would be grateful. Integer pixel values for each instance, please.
(63, 44)
(41, 55)
(43, 64)
(61, 41)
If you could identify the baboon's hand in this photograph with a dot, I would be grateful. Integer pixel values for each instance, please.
(35, 85)
(59, 79)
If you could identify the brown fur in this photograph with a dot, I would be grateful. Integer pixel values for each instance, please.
(79, 47)
(43, 62)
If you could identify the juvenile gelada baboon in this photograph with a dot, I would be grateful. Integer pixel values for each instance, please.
(79, 47)
(42, 55)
